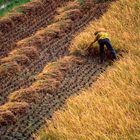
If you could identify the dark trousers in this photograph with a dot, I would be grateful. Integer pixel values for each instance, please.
(106, 42)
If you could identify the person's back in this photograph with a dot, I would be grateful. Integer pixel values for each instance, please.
(102, 35)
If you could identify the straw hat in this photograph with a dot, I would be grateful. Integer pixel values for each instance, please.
(100, 30)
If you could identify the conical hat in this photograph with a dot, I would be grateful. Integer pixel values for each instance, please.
(101, 30)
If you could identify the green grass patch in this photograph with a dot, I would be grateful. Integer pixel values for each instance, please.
(9, 5)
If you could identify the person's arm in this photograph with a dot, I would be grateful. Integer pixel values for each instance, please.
(93, 41)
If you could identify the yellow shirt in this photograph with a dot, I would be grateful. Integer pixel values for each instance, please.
(102, 35)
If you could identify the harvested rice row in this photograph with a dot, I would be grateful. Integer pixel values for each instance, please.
(33, 16)
(53, 88)
(29, 48)
(42, 60)
(46, 85)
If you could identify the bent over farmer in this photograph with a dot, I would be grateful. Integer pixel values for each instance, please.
(103, 40)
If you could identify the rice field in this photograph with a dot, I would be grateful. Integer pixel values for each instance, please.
(48, 78)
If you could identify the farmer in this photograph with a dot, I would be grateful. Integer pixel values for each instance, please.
(102, 38)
